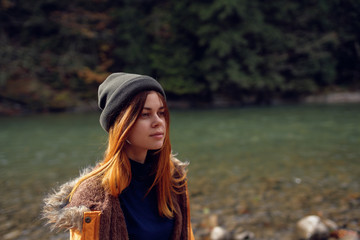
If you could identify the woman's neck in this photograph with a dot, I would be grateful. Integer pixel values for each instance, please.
(136, 154)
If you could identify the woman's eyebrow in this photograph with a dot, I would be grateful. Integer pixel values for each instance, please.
(149, 108)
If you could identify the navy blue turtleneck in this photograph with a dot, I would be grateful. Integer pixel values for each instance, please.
(141, 212)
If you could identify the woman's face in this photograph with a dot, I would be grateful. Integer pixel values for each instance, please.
(149, 130)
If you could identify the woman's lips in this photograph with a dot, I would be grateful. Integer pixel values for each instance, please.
(157, 135)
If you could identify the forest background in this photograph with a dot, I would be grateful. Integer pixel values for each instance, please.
(54, 54)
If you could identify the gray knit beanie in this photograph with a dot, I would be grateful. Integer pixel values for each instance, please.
(117, 91)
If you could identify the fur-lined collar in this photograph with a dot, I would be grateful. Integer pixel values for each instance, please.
(54, 211)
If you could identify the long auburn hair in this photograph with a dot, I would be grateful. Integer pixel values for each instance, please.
(115, 169)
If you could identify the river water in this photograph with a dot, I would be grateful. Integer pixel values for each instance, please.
(255, 169)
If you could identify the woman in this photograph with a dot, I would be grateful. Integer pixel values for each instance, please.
(139, 190)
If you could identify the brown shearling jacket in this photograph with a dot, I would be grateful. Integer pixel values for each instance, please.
(94, 214)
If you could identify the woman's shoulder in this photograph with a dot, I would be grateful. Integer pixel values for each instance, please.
(90, 193)
(59, 213)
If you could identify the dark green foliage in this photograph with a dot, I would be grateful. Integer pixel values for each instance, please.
(248, 51)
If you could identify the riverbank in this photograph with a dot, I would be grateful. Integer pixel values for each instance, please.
(13, 108)
(337, 97)
(269, 210)
(266, 219)
(272, 209)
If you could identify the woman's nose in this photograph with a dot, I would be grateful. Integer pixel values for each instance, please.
(157, 121)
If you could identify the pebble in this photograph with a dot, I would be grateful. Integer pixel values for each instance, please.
(315, 227)
(219, 233)
(310, 226)
(246, 235)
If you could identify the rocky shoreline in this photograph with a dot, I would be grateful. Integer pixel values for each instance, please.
(238, 220)
(271, 211)
(11, 108)
(337, 97)
(267, 209)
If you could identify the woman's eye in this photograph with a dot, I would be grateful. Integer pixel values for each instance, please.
(161, 114)
(145, 114)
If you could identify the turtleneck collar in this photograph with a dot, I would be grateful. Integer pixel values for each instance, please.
(143, 171)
